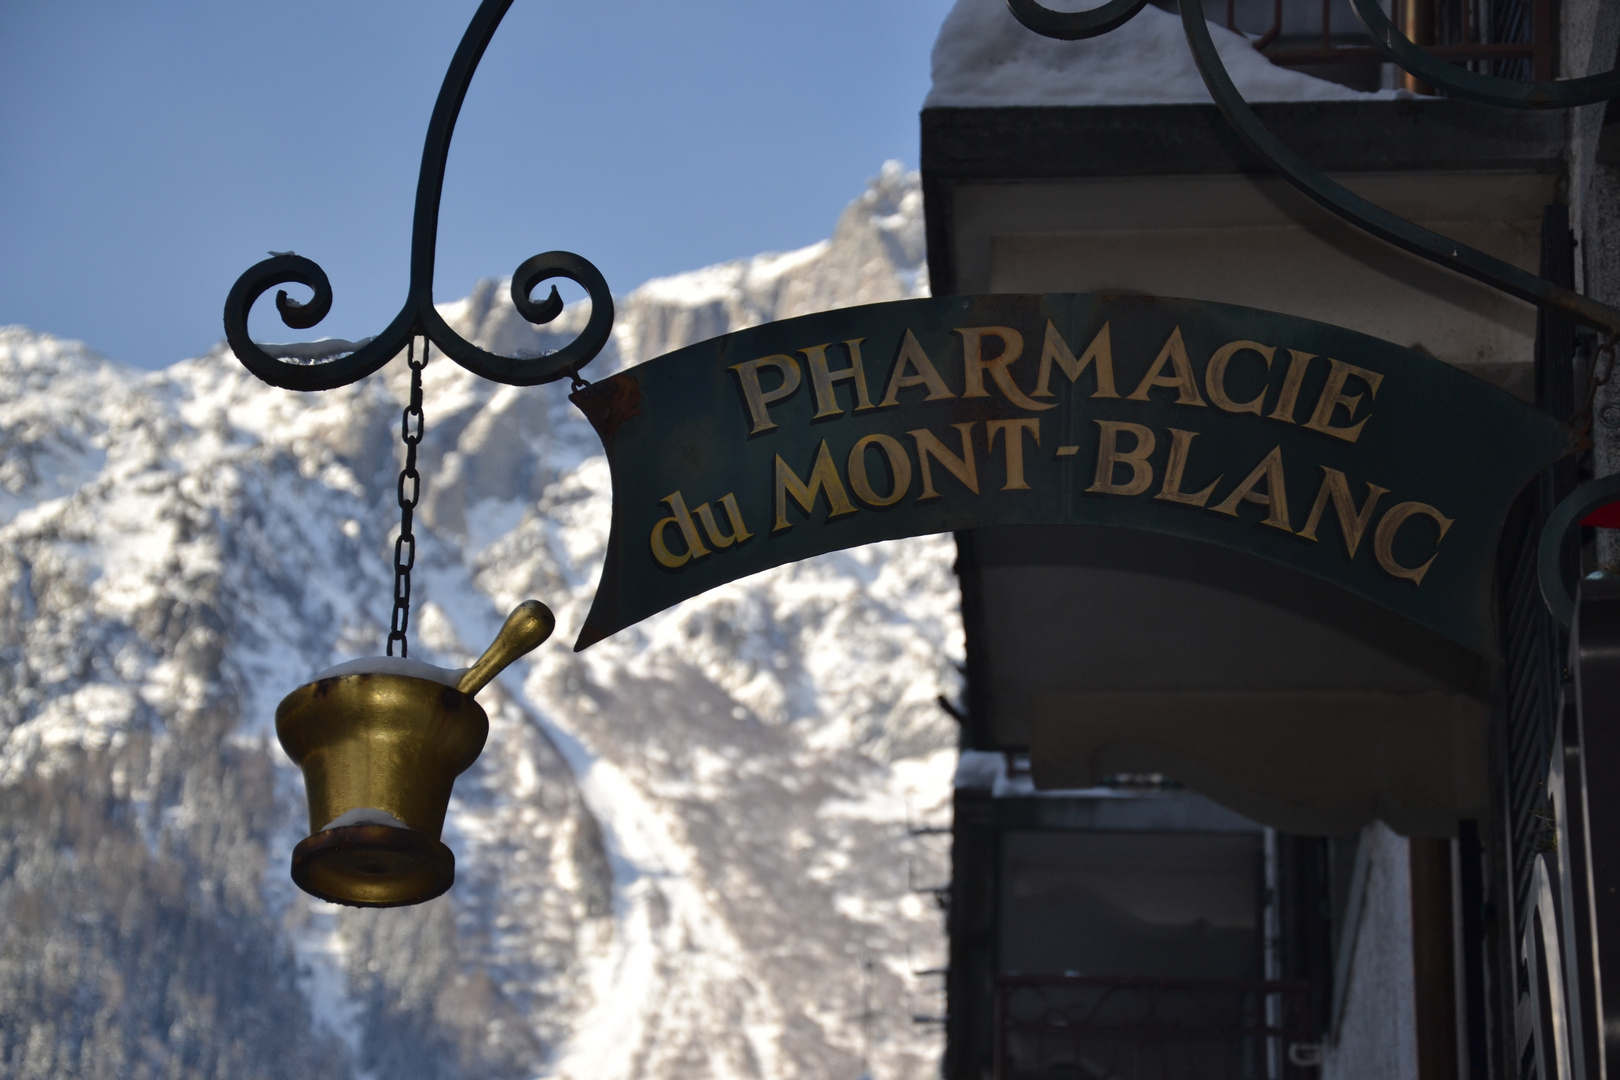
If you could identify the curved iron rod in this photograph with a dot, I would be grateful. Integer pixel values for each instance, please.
(1367, 215)
(1565, 517)
(1508, 93)
(1075, 25)
(418, 315)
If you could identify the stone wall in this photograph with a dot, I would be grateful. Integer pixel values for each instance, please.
(1374, 1033)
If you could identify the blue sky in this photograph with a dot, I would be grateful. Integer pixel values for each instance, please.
(150, 152)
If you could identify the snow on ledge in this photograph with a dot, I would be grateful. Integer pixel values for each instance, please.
(984, 57)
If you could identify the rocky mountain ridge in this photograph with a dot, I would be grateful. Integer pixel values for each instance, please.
(682, 853)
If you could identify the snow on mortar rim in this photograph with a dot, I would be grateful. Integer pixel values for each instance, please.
(364, 815)
(394, 665)
(984, 57)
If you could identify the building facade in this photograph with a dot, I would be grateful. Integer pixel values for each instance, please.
(1215, 819)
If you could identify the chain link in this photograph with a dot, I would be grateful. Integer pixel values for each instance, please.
(411, 427)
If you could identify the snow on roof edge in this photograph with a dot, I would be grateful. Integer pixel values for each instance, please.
(983, 57)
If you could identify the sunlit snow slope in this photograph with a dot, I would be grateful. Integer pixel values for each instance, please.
(683, 853)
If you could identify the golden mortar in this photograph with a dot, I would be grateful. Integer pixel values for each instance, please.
(381, 742)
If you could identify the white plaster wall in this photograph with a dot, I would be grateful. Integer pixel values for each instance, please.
(1377, 1037)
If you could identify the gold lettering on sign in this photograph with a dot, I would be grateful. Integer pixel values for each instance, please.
(1288, 398)
(963, 467)
(913, 358)
(1186, 386)
(974, 365)
(1274, 498)
(1170, 491)
(682, 520)
(899, 470)
(1352, 522)
(1333, 396)
(1015, 430)
(1215, 376)
(823, 478)
(821, 380)
(1390, 524)
(739, 531)
(1055, 350)
(1109, 456)
(759, 400)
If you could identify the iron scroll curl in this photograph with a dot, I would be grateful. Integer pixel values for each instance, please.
(418, 317)
(1564, 519)
(1075, 25)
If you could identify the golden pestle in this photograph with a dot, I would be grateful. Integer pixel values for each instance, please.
(530, 623)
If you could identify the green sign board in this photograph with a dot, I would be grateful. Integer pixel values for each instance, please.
(1382, 471)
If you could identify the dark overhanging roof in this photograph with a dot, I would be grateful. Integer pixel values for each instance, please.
(1179, 559)
(1014, 144)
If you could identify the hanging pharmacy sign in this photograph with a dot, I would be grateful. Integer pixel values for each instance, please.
(1384, 472)
(1380, 470)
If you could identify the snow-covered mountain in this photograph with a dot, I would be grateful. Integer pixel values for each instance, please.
(683, 852)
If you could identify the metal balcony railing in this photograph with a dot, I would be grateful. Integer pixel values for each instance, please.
(1507, 38)
(1083, 1028)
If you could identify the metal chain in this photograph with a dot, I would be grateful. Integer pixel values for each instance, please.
(405, 546)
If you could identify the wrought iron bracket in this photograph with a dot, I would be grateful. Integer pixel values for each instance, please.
(1336, 197)
(418, 317)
